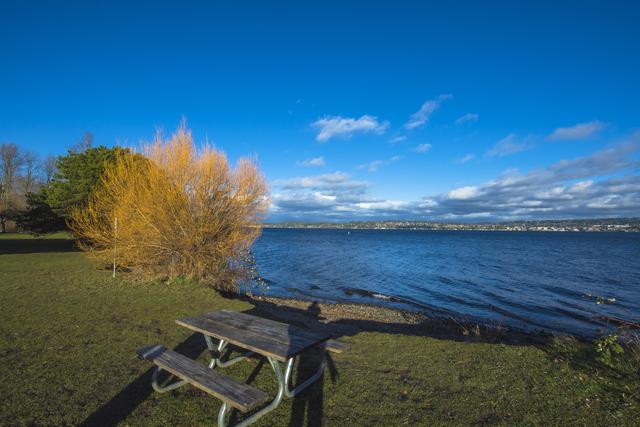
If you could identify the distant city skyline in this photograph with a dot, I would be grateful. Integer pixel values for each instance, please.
(463, 111)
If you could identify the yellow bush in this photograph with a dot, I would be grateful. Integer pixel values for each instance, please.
(179, 211)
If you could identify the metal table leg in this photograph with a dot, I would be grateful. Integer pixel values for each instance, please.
(216, 354)
(157, 387)
(270, 407)
(315, 377)
(283, 381)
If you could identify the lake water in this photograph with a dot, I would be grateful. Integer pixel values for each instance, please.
(550, 281)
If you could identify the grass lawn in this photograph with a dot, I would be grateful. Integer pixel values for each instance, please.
(68, 335)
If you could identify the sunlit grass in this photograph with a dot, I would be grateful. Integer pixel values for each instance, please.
(68, 335)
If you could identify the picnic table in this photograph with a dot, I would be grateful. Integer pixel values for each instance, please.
(276, 341)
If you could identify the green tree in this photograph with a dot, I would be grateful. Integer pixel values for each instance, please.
(39, 218)
(76, 175)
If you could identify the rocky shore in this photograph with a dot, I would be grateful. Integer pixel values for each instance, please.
(348, 319)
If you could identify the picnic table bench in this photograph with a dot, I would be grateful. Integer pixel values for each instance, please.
(277, 341)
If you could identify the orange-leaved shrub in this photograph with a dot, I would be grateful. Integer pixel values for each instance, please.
(176, 211)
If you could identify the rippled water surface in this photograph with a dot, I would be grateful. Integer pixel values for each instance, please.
(550, 281)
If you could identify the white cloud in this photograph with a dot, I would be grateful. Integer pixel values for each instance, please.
(581, 186)
(603, 184)
(397, 139)
(333, 181)
(579, 131)
(508, 145)
(467, 118)
(332, 194)
(423, 148)
(421, 116)
(466, 158)
(344, 127)
(375, 165)
(317, 161)
(463, 193)
(381, 204)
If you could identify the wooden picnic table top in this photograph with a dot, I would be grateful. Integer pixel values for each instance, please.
(263, 336)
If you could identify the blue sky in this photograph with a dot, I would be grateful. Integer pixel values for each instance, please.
(463, 111)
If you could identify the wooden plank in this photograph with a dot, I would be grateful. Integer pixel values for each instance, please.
(296, 339)
(239, 395)
(150, 352)
(239, 316)
(263, 336)
(243, 339)
(334, 346)
(278, 331)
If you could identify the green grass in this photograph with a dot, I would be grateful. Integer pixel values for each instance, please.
(68, 335)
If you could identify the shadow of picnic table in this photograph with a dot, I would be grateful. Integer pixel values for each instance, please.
(309, 404)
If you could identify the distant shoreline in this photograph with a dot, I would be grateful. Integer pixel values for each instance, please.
(620, 225)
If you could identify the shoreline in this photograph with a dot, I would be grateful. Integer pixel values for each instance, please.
(346, 319)
(477, 230)
(596, 225)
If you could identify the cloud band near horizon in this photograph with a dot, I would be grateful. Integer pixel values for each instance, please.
(605, 183)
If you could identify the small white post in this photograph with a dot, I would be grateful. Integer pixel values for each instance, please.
(115, 240)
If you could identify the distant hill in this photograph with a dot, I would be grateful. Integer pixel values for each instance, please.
(584, 225)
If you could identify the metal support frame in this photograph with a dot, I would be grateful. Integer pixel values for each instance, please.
(282, 378)
(315, 377)
(160, 389)
(283, 390)
(270, 407)
(216, 354)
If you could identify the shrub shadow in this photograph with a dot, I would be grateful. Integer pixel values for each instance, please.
(32, 246)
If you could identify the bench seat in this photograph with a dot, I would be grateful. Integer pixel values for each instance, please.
(236, 394)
